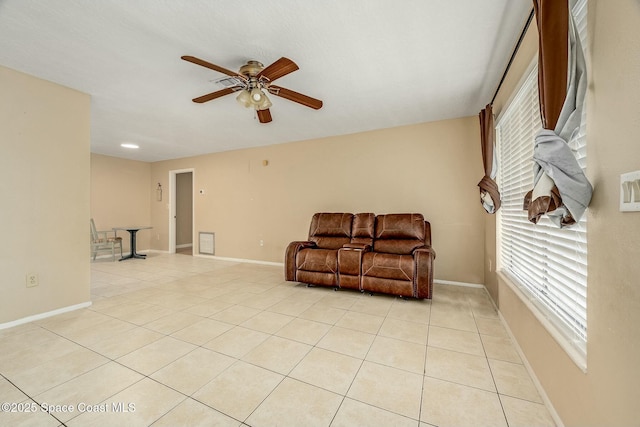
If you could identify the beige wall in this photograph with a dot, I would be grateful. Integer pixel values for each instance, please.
(44, 186)
(121, 196)
(607, 394)
(432, 168)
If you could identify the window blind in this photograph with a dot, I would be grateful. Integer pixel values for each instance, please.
(547, 263)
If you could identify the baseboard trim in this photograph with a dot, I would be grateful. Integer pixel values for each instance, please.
(44, 315)
(125, 253)
(109, 256)
(543, 394)
(464, 284)
(545, 399)
(281, 264)
(186, 245)
(534, 378)
(249, 261)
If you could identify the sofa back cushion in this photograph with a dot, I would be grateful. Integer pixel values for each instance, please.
(363, 228)
(399, 233)
(330, 230)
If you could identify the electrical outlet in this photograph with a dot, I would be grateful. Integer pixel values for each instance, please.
(32, 280)
(261, 242)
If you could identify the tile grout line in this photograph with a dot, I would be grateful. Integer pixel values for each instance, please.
(486, 357)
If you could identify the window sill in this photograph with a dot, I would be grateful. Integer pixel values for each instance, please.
(574, 353)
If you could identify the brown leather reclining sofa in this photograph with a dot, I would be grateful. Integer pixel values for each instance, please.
(388, 254)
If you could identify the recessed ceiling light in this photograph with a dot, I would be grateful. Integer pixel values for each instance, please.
(129, 145)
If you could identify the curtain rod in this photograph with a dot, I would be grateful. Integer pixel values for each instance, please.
(513, 55)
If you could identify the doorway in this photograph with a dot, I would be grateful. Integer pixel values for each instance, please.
(181, 211)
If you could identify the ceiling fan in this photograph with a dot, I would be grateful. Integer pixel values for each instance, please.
(252, 80)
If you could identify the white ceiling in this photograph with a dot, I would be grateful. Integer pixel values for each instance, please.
(375, 64)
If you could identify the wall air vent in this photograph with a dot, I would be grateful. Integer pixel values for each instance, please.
(207, 243)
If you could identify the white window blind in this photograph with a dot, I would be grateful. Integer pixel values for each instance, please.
(547, 263)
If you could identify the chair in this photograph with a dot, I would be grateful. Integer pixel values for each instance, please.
(101, 241)
(315, 261)
(401, 261)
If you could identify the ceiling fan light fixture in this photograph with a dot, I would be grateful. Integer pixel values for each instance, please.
(257, 95)
(265, 104)
(244, 98)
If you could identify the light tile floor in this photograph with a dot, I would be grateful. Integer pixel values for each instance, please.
(176, 340)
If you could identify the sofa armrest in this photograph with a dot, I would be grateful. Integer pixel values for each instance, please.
(425, 248)
(423, 278)
(290, 258)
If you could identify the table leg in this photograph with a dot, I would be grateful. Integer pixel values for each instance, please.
(132, 245)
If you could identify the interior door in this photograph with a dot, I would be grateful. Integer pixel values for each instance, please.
(184, 213)
(181, 208)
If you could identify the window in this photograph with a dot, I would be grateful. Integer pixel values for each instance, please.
(548, 264)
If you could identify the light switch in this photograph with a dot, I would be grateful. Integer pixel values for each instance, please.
(630, 192)
(626, 192)
(635, 185)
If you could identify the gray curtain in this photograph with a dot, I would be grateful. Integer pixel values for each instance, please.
(561, 190)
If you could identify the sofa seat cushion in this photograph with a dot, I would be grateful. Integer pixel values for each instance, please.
(319, 260)
(388, 266)
(388, 286)
(317, 278)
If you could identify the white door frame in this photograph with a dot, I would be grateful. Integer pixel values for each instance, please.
(172, 208)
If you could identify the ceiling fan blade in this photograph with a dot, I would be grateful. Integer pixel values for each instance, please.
(209, 65)
(264, 116)
(294, 96)
(281, 67)
(213, 95)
